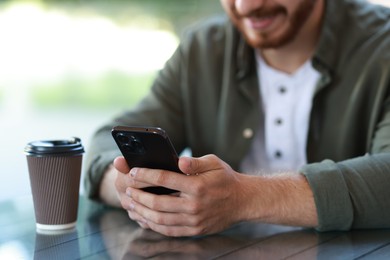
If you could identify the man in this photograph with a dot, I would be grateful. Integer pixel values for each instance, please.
(286, 109)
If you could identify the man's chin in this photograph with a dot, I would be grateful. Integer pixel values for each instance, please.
(264, 44)
(269, 42)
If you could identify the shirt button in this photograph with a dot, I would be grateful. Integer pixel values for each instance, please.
(282, 89)
(278, 154)
(278, 121)
(247, 133)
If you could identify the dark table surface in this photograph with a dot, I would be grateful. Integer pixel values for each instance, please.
(106, 233)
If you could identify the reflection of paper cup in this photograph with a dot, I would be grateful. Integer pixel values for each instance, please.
(55, 170)
(59, 244)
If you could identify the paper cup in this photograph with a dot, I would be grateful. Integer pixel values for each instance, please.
(55, 169)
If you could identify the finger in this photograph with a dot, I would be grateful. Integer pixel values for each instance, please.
(163, 203)
(137, 218)
(178, 231)
(164, 218)
(121, 185)
(123, 179)
(156, 177)
(189, 165)
(194, 166)
(143, 225)
(121, 165)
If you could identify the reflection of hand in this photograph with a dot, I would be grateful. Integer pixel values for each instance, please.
(124, 240)
(207, 203)
(116, 230)
(129, 241)
(148, 244)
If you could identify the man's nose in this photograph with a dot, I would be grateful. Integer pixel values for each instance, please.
(245, 7)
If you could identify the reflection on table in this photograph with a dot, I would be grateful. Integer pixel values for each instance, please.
(107, 233)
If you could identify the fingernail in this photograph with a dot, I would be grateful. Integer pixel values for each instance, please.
(132, 206)
(133, 172)
(128, 192)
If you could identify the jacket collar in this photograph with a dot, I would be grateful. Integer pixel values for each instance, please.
(327, 52)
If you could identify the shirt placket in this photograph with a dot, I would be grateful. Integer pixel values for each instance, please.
(280, 142)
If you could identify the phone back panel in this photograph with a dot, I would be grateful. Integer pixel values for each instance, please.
(146, 147)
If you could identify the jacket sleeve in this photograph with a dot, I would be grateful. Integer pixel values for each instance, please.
(161, 107)
(355, 193)
(351, 194)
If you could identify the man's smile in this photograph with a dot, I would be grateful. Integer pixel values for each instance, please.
(261, 24)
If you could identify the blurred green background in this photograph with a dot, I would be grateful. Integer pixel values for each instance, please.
(92, 78)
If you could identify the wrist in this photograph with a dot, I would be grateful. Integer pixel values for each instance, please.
(251, 203)
(107, 191)
(284, 198)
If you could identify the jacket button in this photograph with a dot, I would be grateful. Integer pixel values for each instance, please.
(247, 133)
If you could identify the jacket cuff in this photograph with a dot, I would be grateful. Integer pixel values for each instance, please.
(333, 203)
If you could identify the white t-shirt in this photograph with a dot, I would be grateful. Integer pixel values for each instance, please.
(280, 144)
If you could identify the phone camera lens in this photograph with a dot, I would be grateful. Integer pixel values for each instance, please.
(123, 138)
(136, 145)
(133, 145)
(128, 148)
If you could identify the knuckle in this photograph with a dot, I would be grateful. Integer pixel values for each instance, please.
(198, 187)
(143, 225)
(194, 208)
(212, 157)
(217, 162)
(154, 203)
(134, 195)
(159, 220)
(196, 222)
(161, 178)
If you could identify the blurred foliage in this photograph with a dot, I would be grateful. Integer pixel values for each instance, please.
(113, 89)
(178, 13)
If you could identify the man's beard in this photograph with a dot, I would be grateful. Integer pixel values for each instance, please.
(295, 24)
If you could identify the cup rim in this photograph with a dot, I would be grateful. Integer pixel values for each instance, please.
(56, 147)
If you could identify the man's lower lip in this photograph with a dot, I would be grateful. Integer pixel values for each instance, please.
(259, 24)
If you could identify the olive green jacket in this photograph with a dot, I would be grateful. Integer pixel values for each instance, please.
(208, 94)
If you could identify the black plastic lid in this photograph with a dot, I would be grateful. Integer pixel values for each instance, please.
(69, 147)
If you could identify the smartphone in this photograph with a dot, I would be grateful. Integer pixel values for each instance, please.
(147, 147)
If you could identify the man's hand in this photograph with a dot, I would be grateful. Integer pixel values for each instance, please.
(207, 202)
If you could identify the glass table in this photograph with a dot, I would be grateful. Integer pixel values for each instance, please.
(103, 232)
